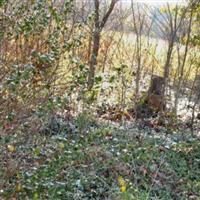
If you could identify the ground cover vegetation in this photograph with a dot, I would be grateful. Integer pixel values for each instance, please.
(99, 100)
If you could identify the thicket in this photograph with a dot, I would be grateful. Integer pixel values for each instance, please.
(71, 73)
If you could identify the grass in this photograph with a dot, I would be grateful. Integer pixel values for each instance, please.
(90, 167)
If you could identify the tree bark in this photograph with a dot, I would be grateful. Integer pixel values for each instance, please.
(98, 27)
(93, 59)
(154, 99)
(181, 66)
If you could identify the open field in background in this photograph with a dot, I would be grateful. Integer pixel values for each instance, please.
(118, 48)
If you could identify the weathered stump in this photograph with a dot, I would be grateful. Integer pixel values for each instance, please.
(197, 87)
(157, 85)
(155, 94)
(153, 101)
(197, 94)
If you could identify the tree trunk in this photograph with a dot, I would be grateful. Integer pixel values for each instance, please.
(93, 59)
(98, 27)
(181, 66)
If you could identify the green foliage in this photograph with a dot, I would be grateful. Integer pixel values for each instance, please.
(34, 37)
(2, 2)
(89, 167)
(43, 73)
(83, 121)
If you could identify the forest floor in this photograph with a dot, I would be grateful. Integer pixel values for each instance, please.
(107, 162)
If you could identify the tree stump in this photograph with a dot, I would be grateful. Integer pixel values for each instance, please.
(153, 101)
(157, 85)
(155, 94)
(197, 87)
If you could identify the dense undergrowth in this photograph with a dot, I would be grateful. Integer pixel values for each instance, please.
(47, 55)
(107, 163)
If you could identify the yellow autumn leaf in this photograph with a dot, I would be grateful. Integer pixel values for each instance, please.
(36, 196)
(32, 1)
(122, 184)
(18, 175)
(37, 151)
(123, 188)
(18, 187)
(11, 148)
(61, 145)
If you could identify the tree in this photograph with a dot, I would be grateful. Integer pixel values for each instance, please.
(182, 62)
(98, 27)
(138, 22)
(169, 25)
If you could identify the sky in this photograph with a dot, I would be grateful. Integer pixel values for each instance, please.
(154, 2)
(158, 2)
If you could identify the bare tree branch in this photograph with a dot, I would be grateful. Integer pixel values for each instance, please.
(106, 16)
